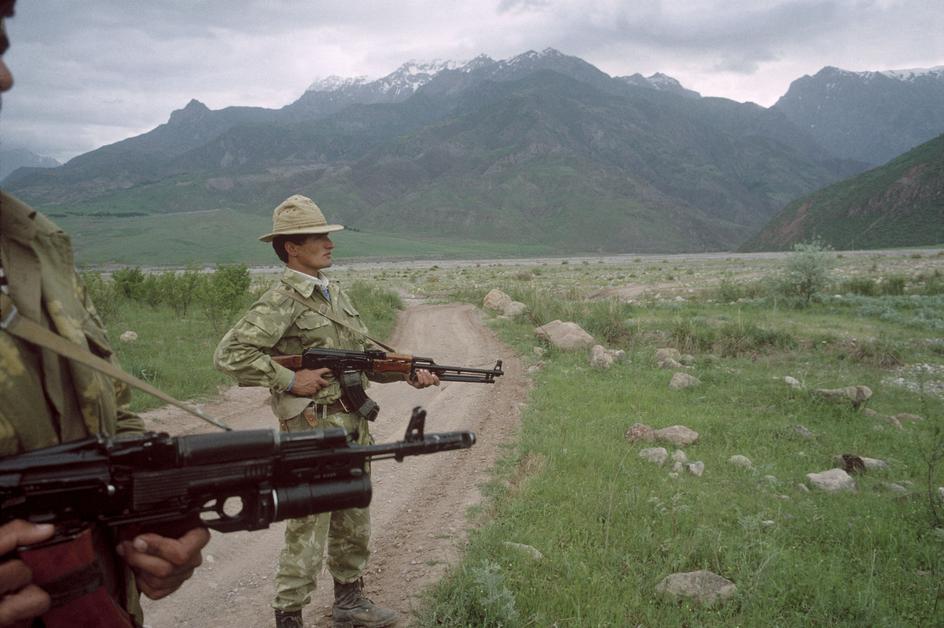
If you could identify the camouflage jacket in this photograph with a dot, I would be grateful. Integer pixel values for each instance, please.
(46, 399)
(278, 324)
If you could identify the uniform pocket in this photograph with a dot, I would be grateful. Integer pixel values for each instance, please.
(311, 320)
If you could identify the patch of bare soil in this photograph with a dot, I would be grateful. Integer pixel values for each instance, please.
(418, 510)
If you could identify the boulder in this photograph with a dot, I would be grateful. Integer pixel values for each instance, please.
(128, 336)
(657, 455)
(603, 358)
(832, 481)
(640, 432)
(678, 435)
(703, 587)
(514, 308)
(683, 380)
(496, 300)
(568, 336)
(858, 395)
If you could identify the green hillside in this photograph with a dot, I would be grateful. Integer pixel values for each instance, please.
(898, 204)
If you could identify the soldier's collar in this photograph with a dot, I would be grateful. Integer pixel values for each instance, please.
(302, 283)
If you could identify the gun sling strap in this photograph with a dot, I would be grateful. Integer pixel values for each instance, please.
(18, 325)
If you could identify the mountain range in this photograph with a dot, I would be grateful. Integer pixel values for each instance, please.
(12, 159)
(542, 150)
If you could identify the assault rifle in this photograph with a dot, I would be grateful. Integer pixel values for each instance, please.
(230, 481)
(347, 366)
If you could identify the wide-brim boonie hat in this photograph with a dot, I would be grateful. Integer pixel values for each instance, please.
(297, 215)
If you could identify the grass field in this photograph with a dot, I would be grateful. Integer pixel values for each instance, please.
(610, 525)
(226, 236)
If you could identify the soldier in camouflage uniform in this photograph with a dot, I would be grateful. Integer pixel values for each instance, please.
(304, 311)
(46, 399)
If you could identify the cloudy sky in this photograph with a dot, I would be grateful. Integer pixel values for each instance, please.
(92, 73)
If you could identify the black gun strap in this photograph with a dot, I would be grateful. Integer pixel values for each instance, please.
(14, 323)
(322, 309)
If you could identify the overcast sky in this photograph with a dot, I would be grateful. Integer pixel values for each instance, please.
(91, 73)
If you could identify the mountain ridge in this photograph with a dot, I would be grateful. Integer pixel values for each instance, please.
(536, 148)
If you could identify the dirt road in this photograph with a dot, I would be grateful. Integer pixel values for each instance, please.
(418, 508)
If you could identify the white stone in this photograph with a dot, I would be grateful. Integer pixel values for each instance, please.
(832, 480)
(741, 461)
(657, 455)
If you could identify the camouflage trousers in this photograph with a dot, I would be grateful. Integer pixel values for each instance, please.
(344, 533)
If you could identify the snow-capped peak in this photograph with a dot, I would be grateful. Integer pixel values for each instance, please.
(334, 83)
(913, 73)
(909, 75)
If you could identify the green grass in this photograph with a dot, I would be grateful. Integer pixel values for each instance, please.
(225, 236)
(175, 353)
(610, 526)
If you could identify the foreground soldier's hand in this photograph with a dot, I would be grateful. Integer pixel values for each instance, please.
(162, 564)
(19, 599)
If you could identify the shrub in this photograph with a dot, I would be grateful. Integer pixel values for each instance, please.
(181, 290)
(103, 294)
(894, 285)
(807, 271)
(128, 282)
(878, 352)
(738, 338)
(692, 335)
(225, 292)
(864, 286)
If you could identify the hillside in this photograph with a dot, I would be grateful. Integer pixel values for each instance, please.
(898, 204)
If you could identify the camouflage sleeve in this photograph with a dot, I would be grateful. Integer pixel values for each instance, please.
(126, 421)
(242, 353)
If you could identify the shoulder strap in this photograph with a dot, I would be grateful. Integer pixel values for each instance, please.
(322, 309)
(17, 325)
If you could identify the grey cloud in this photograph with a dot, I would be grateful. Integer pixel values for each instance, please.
(506, 6)
(102, 70)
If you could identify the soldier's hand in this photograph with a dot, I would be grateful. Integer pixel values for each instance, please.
(422, 378)
(20, 600)
(162, 564)
(309, 381)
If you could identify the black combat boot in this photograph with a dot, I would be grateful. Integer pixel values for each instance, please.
(288, 619)
(353, 609)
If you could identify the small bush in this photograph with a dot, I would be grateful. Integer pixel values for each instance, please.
(894, 285)
(224, 293)
(878, 352)
(807, 272)
(128, 282)
(932, 284)
(739, 338)
(104, 295)
(864, 286)
(692, 335)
